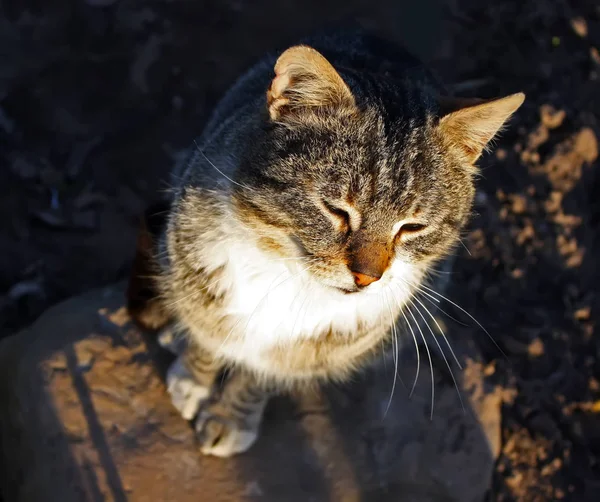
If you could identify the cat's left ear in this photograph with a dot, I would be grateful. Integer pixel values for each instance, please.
(468, 125)
(304, 79)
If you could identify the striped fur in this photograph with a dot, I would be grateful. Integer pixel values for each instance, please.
(316, 168)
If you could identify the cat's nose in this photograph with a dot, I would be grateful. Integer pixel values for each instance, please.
(362, 280)
(368, 258)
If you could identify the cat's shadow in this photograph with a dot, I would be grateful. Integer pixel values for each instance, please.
(357, 442)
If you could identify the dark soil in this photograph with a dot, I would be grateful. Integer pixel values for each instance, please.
(98, 96)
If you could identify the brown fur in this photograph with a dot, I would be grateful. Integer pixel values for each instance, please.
(351, 162)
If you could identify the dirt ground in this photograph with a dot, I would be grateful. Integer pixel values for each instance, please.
(98, 96)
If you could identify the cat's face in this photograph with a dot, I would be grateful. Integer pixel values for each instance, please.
(364, 194)
(352, 195)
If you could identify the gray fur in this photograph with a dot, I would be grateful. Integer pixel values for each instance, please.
(256, 181)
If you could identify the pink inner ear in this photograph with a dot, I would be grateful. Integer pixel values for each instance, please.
(279, 84)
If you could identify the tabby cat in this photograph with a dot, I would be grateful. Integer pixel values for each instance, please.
(329, 180)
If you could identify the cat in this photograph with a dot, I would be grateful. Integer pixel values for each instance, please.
(330, 179)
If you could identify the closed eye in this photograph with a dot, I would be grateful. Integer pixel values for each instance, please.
(412, 227)
(408, 230)
(340, 217)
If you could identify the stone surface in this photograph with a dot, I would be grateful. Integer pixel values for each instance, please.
(87, 418)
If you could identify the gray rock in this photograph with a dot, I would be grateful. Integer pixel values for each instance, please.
(87, 418)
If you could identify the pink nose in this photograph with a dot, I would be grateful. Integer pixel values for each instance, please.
(362, 280)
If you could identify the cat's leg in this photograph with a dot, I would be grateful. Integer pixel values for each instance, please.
(191, 379)
(230, 424)
(172, 339)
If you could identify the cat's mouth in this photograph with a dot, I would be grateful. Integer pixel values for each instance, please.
(347, 291)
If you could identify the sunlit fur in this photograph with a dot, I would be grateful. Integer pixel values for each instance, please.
(257, 269)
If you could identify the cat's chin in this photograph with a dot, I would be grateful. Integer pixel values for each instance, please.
(339, 289)
(330, 285)
(346, 291)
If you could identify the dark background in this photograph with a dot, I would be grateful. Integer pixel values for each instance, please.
(98, 96)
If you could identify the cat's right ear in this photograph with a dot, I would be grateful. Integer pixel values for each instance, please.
(305, 79)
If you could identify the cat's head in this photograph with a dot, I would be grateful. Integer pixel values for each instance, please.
(368, 181)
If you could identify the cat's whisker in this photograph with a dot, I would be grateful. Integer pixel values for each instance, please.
(418, 352)
(430, 270)
(301, 260)
(436, 323)
(292, 331)
(383, 354)
(240, 317)
(434, 273)
(307, 297)
(148, 277)
(194, 293)
(428, 356)
(440, 272)
(417, 288)
(394, 353)
(470, 316)
(440, 330)
(433, 300)
(465, 246)
(296, 258)
(168, 189)
(252, 314)
(437, 306)
(441, 351)
(160, 213)
(292, 303)
(219, 171)
(270, 290)
(418, 370)
(309, 291)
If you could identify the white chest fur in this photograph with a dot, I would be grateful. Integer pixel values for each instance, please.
(274, 302)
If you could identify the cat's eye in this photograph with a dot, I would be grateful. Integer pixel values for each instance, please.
(340, 217)
(410, 229)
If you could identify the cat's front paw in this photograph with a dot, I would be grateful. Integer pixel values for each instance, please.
(223, 436)
(187, 395)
